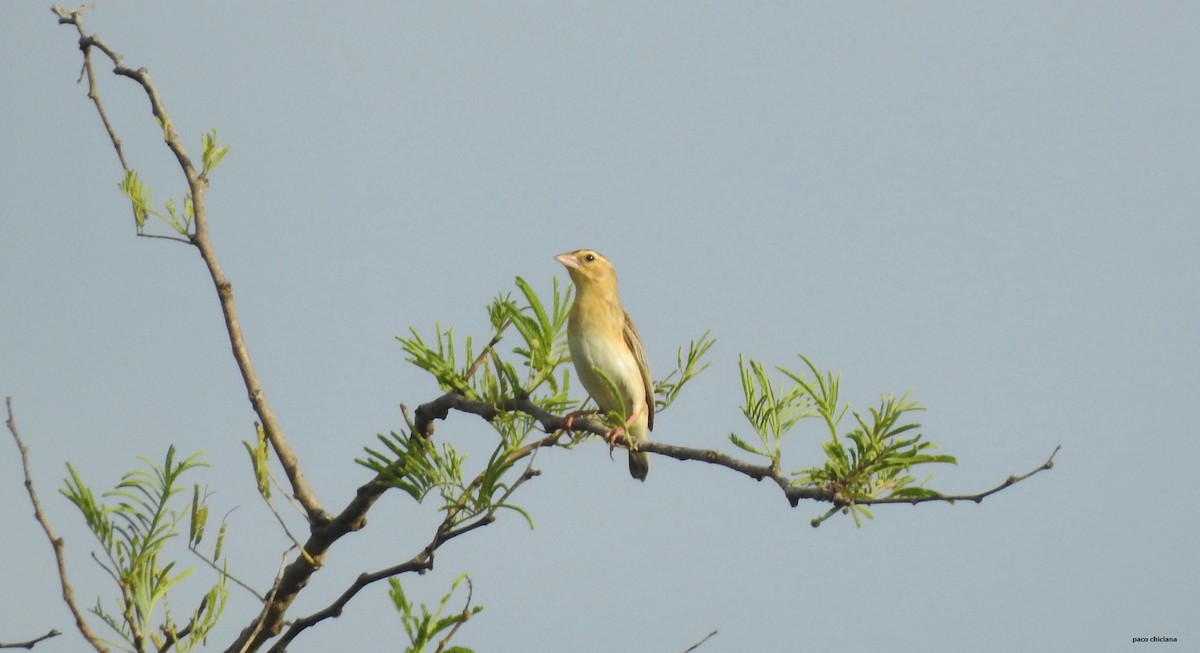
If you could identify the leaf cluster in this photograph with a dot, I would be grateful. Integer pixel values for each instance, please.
(417, 466)
(134, 522)
(490, 377)
(424, 626)
(181, 221)
(871, 461)
(687, 367)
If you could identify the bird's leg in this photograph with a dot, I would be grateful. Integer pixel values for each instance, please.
(569, 418)
(612, 435)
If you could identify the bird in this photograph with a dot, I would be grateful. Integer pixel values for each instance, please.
(605, 345)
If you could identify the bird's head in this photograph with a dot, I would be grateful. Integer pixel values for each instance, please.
(588, 269)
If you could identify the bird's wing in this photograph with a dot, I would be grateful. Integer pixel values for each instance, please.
(639, 354)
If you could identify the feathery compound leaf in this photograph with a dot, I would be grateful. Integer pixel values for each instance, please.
(873, 460)
(441, 363)
(138, 195)
(199, 518)
(545, 325)
(134, 526)
(772, 410)
(668, 389)
(259, 455)
(422, 625)
(746, 446)
(411, 464)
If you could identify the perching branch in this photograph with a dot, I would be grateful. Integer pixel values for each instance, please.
(68, 594)
(439, 409)
(197, 185)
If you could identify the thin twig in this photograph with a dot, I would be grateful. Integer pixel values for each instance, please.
(74, 17)
(68, 594)
(236, 581)
(258, 621)
(31, 643)
(697, 644)
(486, 350)
(112, 574)
(177, 239)
(290, 499)
(279, 517)
(412, 428)
(466, 614)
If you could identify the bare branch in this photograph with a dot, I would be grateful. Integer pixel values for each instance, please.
(68, 594)
(278, 517)
(197, 185)
(217, 568)
(697, 644)
(177, 239)
(31, 643)
(73, 18)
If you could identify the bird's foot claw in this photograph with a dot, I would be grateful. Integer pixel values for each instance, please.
(611, 439)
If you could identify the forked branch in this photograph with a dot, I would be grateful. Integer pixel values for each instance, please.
(197, 184)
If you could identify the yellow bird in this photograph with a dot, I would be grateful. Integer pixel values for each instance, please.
(604, 344)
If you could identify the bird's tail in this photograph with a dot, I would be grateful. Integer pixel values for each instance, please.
(639, 464)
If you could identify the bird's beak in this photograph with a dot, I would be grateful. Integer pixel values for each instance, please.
(568, 260)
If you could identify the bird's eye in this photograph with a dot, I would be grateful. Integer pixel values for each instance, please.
(589, 258)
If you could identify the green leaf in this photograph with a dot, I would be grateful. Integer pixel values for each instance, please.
(199, 518)
(668, 389)
(211, 152)
(139, 196)
(745, 446)
(259, 456)
(423, 625)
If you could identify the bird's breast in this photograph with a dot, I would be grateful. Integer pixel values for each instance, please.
(610, 356)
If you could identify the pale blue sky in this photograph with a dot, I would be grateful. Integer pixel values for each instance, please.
(994, 205)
